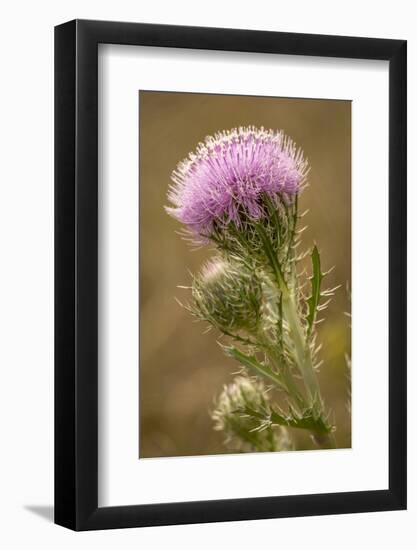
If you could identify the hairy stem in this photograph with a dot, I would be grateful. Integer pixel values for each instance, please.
(302, 350)
(301, 347)
(290, 313)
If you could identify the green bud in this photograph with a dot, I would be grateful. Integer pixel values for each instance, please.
(238, 413)
(228, 295)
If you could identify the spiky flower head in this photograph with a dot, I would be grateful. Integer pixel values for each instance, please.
(243, 431)
(228, 295)
(228, 175)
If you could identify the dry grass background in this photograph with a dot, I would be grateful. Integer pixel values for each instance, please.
(182, 369)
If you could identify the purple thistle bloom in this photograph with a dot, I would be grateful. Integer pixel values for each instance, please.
(230, 173)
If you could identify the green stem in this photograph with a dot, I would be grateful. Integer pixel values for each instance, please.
(290, 386)
(290, 313)
(280, 373)
(302, 350)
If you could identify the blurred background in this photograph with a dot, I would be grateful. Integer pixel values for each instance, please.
(181, 368)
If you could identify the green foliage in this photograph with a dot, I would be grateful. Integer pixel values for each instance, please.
(252, 364)
(254, 296)
(306, 420)
(314, 299)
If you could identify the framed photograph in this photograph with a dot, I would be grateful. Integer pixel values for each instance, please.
(230, 254)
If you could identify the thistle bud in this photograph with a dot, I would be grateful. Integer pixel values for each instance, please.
(239, 411)
(228, 295)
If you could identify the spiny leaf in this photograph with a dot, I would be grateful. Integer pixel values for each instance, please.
(316, 279)
(307, 421)
(250, 362)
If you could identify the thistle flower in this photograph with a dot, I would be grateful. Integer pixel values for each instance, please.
(227, 295)
(228, 175)
(243, 431)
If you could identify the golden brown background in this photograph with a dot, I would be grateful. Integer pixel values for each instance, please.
(182, 369)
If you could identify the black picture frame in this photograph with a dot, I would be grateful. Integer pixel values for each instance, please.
(76, 273)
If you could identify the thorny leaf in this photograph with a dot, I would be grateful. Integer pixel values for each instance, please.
(316, 279)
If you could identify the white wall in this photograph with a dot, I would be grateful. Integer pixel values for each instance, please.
(26, 274)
